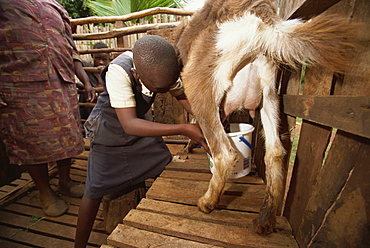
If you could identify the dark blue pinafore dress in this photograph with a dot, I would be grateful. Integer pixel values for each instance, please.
(118, 160)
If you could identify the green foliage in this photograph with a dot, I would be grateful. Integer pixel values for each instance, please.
(76, 8)
(124, 7)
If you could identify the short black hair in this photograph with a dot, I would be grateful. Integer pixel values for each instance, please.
(99, 45)
(153, 54)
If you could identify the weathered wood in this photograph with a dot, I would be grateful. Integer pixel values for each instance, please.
(201, 166)
(186, 175)
(30, 238)
(310, 152)
(220, 216)
(114, 210)
(22, 207)
(127, 236)
(105, 50)
(345, 153)
(83, 156)
(131, 16)
(242, 197)
(348, 113)
(114, 33)
(211, 233)
(351, 209)
(21, 189)
(43, 226)
(309, 8)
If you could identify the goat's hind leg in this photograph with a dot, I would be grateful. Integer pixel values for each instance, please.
(266, 222)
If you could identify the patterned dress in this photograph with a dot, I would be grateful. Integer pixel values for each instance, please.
(41, 122)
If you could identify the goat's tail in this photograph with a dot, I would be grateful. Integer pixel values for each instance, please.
(324, 40)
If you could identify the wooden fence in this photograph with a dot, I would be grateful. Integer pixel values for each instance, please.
(325, 126)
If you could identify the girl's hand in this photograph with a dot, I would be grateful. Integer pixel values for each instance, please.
(194, 132)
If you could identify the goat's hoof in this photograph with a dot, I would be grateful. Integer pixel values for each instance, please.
(263, 228)
(205, 206)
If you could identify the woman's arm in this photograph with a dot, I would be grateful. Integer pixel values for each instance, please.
(81, 74)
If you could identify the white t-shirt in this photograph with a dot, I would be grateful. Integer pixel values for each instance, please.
(119, 87)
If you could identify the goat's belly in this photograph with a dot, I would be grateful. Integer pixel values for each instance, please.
(245, 92)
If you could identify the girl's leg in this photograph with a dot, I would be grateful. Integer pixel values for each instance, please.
(86, 217)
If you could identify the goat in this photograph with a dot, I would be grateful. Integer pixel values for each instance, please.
(227, 38)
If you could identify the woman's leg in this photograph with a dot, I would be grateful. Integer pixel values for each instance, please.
(66, 186)
(52, 204)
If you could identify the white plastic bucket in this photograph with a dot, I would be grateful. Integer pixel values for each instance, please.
(241, 138)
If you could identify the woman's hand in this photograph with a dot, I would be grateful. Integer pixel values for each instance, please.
(2, 103)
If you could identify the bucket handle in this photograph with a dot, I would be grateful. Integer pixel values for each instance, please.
(246, 142)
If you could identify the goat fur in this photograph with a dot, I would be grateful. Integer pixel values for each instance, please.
(228, 37)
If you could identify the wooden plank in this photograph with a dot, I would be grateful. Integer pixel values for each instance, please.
(351, 209)
(357, 78)
(211, 233)
(33, 200)
(127, 236)
(59, 232)
(347, 150)
(7, 243)
(242, 197)
(348, 113)
(310, 152)
(197, 154)
(192, 166)
(83, 156)
(207, 176)
(309, 8)
(22, 189)
(29, 239)
(220, 216)
(68, 219)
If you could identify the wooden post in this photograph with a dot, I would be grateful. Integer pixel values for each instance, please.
(116, 206)
(121, 41)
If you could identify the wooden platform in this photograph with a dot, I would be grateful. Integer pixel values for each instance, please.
(168, 216)
(24, 224)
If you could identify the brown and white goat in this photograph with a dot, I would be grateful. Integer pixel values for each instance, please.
(230, 51)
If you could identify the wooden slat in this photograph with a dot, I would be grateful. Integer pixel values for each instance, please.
(8, 243)
(133, 237)
(62, 234)
(346, 152)
(69, 219)
(21, 189)
(211, 233)
(348, 113)
(29, 239)
(309, 8)
(135, 15)
(307, 165)
(220, 216)
(114, 33)
(191, 166)
(207, 176)
(242, 197)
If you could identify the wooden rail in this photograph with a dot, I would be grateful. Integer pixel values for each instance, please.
(131, 16)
